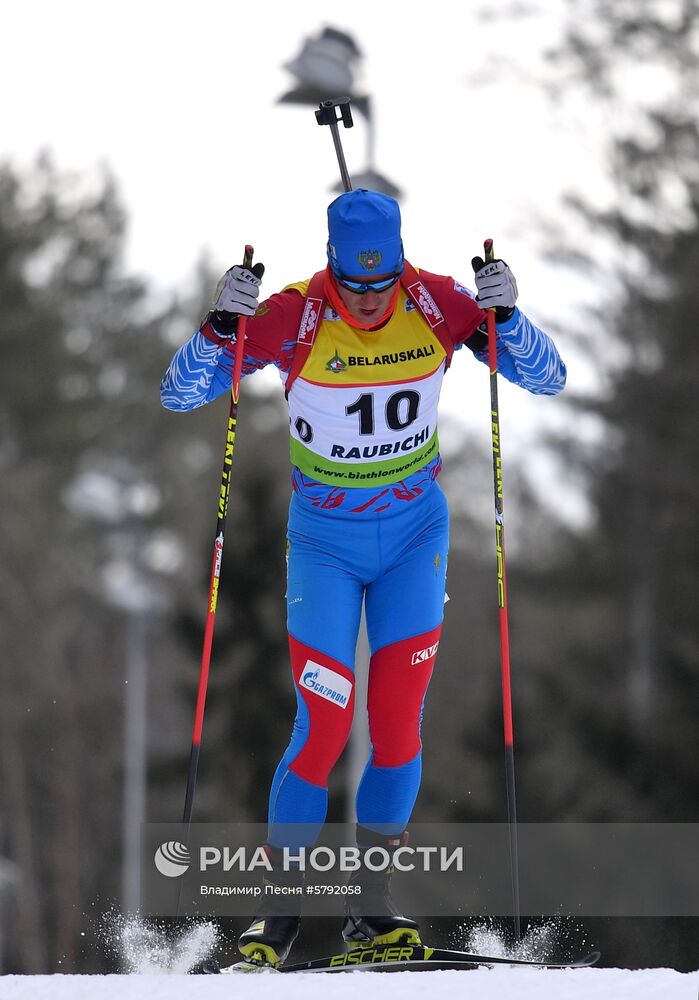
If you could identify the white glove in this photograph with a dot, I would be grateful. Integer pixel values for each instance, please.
(496, 286)
(237, 291)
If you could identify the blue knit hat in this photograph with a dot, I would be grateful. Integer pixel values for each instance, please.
(364, 234)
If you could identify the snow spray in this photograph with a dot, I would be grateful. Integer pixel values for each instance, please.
(152, 948)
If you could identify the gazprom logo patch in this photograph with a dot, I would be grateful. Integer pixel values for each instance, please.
(422, 655)
(326, 683)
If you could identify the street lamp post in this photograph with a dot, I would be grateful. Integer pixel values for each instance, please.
(324, 68)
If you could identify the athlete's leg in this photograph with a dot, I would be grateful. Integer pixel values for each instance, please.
(404, 608)
(324, 597)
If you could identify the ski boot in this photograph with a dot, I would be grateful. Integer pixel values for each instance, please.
(384, 924)
(269, 938)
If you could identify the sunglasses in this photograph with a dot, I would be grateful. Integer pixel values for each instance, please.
(362, 287)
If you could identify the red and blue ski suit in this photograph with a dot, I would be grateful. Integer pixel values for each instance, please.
(367, 520)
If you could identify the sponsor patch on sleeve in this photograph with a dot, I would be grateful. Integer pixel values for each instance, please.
(463, 290)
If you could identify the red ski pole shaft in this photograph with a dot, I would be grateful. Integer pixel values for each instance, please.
(224, 494)
(502, 605)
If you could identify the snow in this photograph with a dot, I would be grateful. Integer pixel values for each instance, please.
(478, 984)
(155, 962)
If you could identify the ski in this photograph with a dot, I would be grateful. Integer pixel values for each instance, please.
(387, 958)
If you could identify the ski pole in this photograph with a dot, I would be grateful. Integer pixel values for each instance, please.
(216, 561)
(327, 115)
(502, 605)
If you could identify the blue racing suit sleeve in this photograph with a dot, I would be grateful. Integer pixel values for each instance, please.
(202, 368)
(199, 372)
(527, 356)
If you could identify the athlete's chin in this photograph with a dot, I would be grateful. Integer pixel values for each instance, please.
(367, 315)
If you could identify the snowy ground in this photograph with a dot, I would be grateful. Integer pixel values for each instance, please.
(156, 962)
(479, 984)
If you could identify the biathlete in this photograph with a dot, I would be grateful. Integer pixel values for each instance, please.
(361, 348)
